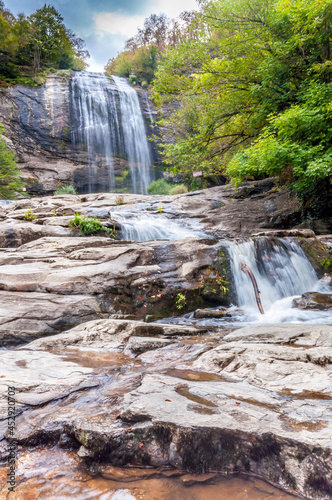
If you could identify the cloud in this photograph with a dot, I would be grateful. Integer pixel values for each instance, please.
(172, 8)
(116, 23)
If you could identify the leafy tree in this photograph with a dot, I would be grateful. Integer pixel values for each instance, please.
(143, 51)
(28, 45)
(253, 93)
(10, 181)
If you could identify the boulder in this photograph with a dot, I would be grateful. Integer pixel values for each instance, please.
(314, 301)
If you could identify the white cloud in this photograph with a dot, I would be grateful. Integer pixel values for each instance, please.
(172, 8)
(117, 23)
(94, 66)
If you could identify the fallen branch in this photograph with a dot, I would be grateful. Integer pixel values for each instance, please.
(246, 269)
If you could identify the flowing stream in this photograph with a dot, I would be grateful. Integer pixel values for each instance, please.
(107, 122)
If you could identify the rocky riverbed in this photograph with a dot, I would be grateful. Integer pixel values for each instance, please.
(100, 385)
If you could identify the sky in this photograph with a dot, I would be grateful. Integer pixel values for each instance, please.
(105, 25)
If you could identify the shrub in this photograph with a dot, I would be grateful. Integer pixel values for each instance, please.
(10, 181)
(159, 187)
(29, 215)
(66, 189)
(120, 200)
(179, 189)
(89, 225)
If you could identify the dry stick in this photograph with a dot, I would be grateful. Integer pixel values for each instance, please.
(245, 268)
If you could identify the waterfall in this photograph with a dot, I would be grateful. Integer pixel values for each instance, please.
(279, 266)
(107, 123)
(282, 271)
(149, 227)
(135, 141)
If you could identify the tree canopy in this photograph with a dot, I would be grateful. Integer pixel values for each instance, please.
(29, 45)
(254, 94)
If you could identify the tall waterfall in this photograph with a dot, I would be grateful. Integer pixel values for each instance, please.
(281, 270)
(135, 142)
(107, 122)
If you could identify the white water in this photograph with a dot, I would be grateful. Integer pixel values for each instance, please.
(135, 141)
(150, 227)
(96, 122)
(105, 129)
(282, 272)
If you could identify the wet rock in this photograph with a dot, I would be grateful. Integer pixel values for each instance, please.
(314, 301)
(284, 233)
(112, 333)
(290, 334)
(121, 277)
(39, 378)
(138, 345)
(26, 316)
(212, 313)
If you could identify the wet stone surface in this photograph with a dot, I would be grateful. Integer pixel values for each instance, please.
(253, 405)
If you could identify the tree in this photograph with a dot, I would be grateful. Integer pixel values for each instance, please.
(10, 182)
(254, 69)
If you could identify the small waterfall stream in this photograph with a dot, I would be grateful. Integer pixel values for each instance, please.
(282, 271)
(107, 122)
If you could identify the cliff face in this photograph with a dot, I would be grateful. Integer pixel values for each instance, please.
(39, 124)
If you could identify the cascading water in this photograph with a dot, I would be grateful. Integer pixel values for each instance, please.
(151, 227)
(135, 141)
(107, 122)
(96, 123)
(282, 271)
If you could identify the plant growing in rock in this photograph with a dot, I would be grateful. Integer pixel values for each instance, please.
(325, 263)
(180, 301)
(120, 200)
(89, 225)
(66, 189)
(29, 215)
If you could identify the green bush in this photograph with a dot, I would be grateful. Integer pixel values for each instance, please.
(66, 189)
(89, 225)
(10, 181)
(161, 186)
(179, 189)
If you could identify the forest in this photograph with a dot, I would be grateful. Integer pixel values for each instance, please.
(32, 47)
(251, 81)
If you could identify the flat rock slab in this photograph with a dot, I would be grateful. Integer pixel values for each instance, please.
(296, 334)
(112, 334)
(39, 377)
(26, 316)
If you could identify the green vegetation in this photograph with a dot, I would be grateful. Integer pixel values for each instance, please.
(161, 186)
(139, 61)
(10, 182)
(254, 92)
(29, 215)
(120, 201)
(66, 189)
(326, 264)
(180, 301)
(179, 189)
(31, 47)
(89, 225)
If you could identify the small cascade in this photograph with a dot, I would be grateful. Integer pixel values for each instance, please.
(149, 227)
(134, 136)
(107, 124)
(280, 267)
(282, 271)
